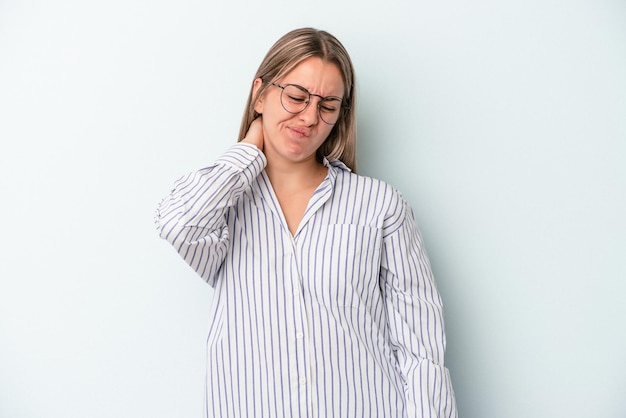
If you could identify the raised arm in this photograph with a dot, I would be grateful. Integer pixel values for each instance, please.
(193, 216)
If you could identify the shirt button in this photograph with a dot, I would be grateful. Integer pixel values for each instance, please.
(302, 380)
(299, 335)
(296, 292)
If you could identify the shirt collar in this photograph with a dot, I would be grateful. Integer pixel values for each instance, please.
(337, 164)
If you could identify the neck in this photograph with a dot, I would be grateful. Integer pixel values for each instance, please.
(293, 175)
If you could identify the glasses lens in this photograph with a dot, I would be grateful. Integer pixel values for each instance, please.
(329, 110)
(295, 99)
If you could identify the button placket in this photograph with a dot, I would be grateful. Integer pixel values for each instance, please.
(300, 368)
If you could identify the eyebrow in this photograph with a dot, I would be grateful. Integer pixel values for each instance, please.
(323, 98)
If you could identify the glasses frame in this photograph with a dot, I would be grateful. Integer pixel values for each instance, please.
(308, 101)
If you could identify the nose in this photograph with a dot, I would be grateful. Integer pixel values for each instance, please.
(310, 115)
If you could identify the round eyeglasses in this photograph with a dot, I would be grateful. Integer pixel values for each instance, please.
(295, 99)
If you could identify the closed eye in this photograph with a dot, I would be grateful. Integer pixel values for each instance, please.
(330, 105)
(297, 99)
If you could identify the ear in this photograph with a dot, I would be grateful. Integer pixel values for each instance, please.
(258, 105)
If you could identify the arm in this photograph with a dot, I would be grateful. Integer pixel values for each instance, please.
(193, 216)
(415, 313)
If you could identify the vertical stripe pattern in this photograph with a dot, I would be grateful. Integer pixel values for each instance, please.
(342, 319)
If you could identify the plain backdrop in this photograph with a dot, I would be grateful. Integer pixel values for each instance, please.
(502, 122)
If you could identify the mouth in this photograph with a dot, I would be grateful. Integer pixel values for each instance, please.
(301, 131)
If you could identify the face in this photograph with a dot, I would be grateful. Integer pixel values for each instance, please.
(295, 138)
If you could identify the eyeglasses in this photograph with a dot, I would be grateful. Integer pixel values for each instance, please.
(295, 99)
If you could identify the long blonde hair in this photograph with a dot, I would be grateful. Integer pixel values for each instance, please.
(293, 48)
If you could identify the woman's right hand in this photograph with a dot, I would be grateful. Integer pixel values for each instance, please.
(255, 133)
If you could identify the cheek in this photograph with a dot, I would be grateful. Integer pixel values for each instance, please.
(272, 119)
(326, 130)
(273, 113)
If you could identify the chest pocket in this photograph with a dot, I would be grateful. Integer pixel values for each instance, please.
(344, 265)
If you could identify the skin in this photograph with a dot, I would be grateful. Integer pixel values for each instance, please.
(289, 141)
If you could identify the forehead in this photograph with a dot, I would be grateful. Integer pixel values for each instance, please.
(317, 76)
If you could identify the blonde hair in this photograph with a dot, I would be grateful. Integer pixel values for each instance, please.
(293, 48)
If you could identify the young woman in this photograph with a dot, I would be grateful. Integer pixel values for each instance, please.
(324, 300)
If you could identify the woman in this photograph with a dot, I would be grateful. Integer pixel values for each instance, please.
(324, 300)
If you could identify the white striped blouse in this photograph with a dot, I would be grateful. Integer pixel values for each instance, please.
(342, 319)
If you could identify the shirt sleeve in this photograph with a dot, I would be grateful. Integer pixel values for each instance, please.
(193, 216)
(415, 315)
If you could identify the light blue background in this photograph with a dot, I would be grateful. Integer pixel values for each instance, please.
(503, 123)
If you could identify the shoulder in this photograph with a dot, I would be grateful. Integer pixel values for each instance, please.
(371, 192)
(370, 185)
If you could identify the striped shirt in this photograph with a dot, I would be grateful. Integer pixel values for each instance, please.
(341, 319)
